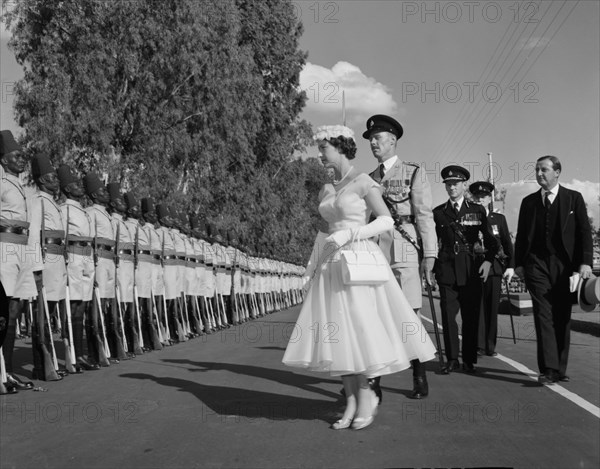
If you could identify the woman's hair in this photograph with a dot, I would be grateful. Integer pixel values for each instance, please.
(345, 145)
(340, 136)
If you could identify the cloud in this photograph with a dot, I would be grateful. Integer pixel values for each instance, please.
(364, 95)
(515, 192)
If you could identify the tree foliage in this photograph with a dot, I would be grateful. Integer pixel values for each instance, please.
(193, 102)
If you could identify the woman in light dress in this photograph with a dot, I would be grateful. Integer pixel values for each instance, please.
(359, 331)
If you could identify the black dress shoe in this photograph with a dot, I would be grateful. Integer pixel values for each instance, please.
(491, 354)
(17, 383)
(374, 385)
(564, 378)
(62, 373)
(549, 377)
(7, 388)
(420, 388)
(480, 352)
(451, 366)
(469, 368)
(86, 365)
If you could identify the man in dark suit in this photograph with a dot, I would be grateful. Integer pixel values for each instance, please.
(503, 267)
(458, 269)
(554, 241)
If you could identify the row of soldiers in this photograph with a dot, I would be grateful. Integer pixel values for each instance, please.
(125, 276)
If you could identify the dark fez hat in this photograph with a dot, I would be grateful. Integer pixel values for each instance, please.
(8, 143)
(147, 205)
(65, 175)
(40, 166)
(454, 173)
(382, 123)
(481, 188)
(92, 182)
(114, 190)
(130, 200)
(162, 211)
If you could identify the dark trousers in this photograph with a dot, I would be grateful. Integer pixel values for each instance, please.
(488, 317)
(547, 279)
(467, 299)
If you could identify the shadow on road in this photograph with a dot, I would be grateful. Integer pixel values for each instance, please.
(289, 378)
(226, 402)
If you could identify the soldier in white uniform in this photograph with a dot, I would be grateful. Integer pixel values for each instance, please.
(48, 231)
(149, 218)
(411, 246)
(99, 328)
(13, 247)
(80, 262)
(148, 334)
(124, 269)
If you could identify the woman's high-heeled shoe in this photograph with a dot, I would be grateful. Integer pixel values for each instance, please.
(362, 422)
(342, 423)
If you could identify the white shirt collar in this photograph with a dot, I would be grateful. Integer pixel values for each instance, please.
(459, 202)
(552, 195)
(390, 162)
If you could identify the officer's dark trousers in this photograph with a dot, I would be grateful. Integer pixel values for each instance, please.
(467, 299)
(547, 279)
(488, 318)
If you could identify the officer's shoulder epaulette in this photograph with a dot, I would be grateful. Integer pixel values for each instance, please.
(412, 163)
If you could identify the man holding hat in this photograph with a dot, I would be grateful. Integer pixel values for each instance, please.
(14, 227)
(104, 254)
(411, 247)
(458, 270)
(80, 262)
(47, 230)
(502, 268)
(554, 242)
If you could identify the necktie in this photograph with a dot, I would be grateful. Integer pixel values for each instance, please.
(547, 201)
(455, 205)
(381, 170)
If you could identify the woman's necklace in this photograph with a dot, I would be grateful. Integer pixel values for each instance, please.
(336, 183)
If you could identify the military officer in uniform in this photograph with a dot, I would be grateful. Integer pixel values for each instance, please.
(13, 246)
(411, 247)
(459, 272)
(503, 267)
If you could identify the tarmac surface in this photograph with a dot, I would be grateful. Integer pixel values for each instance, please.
(226, 400)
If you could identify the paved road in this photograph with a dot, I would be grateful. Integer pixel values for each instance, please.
(225, 400)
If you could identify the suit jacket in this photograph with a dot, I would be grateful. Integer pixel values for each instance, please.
(499, 228)
(453, 267)
(406, 191)
(574, 222)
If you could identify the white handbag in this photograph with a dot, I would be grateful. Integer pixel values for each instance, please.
(364, 267)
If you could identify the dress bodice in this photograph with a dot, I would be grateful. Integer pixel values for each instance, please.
(346, 208)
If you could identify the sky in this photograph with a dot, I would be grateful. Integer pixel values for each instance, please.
(517, 79)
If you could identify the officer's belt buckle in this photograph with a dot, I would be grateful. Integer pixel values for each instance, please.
(456, 248)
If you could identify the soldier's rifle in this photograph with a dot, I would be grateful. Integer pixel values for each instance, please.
(45, 297)
(104, 339)
(164, 297)
(118, 289)
(70, 356)
(136, 300)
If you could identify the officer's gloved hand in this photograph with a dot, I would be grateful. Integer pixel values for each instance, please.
(508, 274)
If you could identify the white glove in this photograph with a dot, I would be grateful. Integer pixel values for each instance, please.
(379, 225)
(508, 274)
